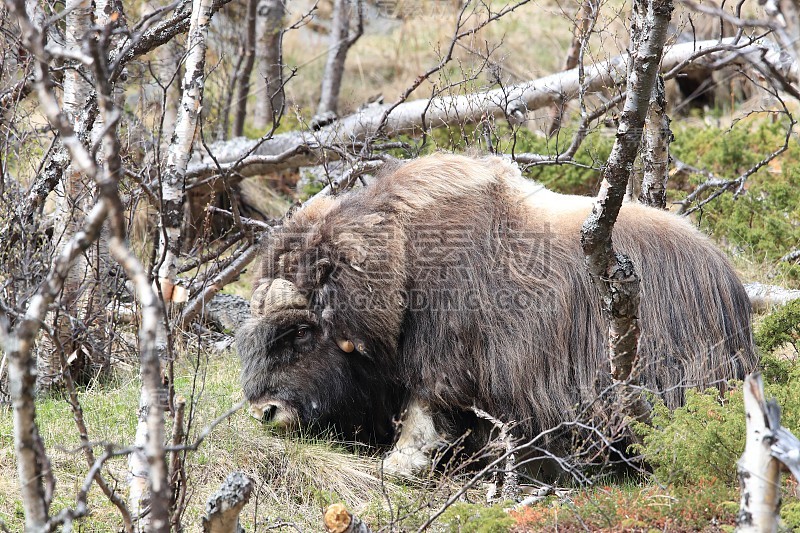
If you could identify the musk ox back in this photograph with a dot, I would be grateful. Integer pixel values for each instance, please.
(452, 283)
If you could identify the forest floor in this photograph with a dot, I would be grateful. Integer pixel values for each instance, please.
(296, 477)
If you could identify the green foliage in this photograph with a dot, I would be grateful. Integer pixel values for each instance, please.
(790, 514)
(762, 224)
(779, 328)
(704, 438)
(474, 518)
(701, 440)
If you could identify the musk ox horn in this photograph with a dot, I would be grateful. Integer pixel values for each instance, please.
(346, 345)
(279, 295)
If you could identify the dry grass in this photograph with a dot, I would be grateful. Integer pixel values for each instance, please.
(295, 477)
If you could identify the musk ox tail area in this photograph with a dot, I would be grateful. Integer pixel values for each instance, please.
(463, 284)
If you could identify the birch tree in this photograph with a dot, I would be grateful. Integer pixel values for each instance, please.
(269, 83)
(341, 39)
(147, 467)
(613, 273)
(81, 292)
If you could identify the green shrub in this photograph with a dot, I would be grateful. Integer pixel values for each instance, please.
(474, 518)
(704, 438)
(790, 514)
(763, 223)
(780, 328)
(701, 440)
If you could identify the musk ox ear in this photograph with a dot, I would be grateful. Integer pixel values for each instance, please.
(274, 296)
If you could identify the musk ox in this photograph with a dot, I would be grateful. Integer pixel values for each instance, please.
(453, 282)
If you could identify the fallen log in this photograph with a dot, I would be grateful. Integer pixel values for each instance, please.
(305, 148)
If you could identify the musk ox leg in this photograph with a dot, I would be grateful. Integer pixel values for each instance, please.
(416, 444)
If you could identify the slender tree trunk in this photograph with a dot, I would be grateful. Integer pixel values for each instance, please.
(613, 273)
(180, 148)
(759, 472)
(246, 70)
(340, 42)
(655, 153)
(166, 67)
(73, 196)
(269, 85)
(172, 195)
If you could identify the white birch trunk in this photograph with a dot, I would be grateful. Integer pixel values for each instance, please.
(655, 152)
(759, 472)
(269, 83)
(72, 200)
(149, 431)
(180, 148)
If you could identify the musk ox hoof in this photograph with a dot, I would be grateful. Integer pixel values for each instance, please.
(406, 462)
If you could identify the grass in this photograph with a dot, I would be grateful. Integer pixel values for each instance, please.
(294, 477)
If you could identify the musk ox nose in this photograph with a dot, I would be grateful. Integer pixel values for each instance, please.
(264, 412)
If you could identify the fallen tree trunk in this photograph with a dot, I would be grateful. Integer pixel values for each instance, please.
(447, 110)
(763, 297)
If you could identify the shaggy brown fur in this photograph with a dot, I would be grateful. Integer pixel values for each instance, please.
(461, 284)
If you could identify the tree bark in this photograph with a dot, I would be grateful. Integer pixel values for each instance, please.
(764, 297)
(340, 42)
(269, 86)
(172, 191)
(613, 273)
(759, 472)
(72, 205)
(655, 154)
(247, 69)
(142, 464)
(225, 505)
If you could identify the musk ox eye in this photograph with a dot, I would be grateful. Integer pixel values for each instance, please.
(301, 332)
